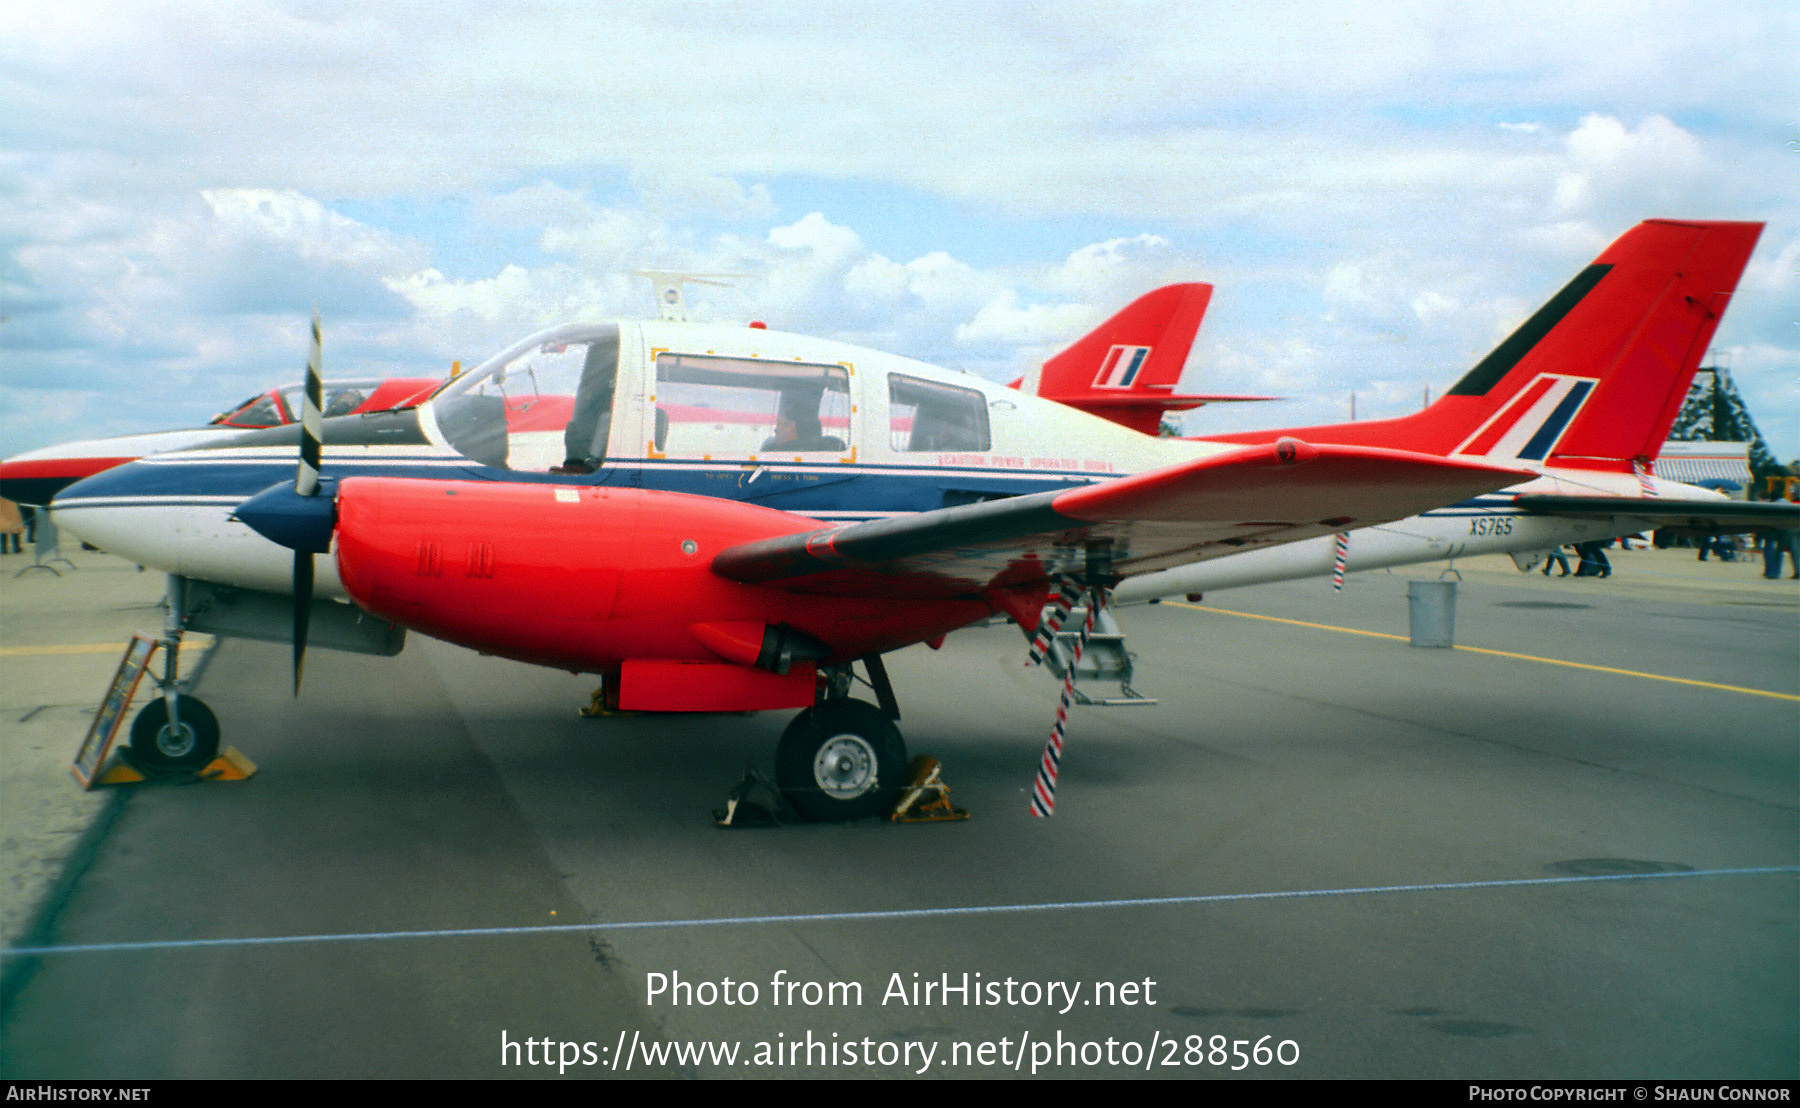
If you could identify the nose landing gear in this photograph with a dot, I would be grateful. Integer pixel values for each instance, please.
(188, 741)
(175, 730)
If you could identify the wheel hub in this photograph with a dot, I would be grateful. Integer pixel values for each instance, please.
(175, 740)
(845, 767)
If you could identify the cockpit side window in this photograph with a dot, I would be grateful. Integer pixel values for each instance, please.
(715, 407)
(343, 401)
(258, 411)
(930, 416)
(590, 424)
(546, 408)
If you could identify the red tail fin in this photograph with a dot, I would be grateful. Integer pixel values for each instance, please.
(1126, 369)
(1596, 376)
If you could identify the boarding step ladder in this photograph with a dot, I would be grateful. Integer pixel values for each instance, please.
(1104, 659)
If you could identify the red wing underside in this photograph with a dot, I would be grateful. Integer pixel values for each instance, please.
(1207, 508)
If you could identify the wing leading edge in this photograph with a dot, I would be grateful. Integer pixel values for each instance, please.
(1257, 496)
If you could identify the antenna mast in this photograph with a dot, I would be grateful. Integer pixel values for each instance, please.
(669, 297)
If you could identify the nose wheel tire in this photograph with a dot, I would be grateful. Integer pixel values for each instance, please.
(188, 744)
(841, 760)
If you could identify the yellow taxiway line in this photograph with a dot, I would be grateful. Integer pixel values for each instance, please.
(62, 648)
(1494, 653)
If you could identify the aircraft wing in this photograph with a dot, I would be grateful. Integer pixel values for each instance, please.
(1205, 508)
(1701, 515)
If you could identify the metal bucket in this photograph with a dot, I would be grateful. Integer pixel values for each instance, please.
(1432, 608)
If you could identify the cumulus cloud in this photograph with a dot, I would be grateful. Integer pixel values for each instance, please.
(1004, 321)
(811, 274)
(180, 280)
(606, 238)
(1614, 166)
(818, 237)
(300, 225)
(1123, 263)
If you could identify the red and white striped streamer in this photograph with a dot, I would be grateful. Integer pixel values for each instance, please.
(1067, 593)
(1338, 560)
(1043, 791)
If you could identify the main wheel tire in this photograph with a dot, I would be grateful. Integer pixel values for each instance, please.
(155, 744)
(841, 760)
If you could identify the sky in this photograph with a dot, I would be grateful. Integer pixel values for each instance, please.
(1379, 192)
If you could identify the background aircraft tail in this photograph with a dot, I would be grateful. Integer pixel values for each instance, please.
(1596, 376)
(1126, 369)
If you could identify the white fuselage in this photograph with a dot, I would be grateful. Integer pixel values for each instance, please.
(686, 422)
(1490, 524)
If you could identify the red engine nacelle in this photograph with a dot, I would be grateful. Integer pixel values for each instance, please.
(615, 581)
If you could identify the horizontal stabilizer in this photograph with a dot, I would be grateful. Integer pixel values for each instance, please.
(1701, 515)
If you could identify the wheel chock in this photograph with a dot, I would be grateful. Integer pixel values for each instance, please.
(120, 772)
(230, 765)
(602, 706)
(754, 802)
(926, 798)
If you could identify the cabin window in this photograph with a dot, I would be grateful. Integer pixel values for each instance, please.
(930, 416)
(715, 407)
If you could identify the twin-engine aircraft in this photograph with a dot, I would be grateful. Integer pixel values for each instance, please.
(722, 518)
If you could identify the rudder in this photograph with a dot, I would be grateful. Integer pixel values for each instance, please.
(1594, 378)
(1126, 369)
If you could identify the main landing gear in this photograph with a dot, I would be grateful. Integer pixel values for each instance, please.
(844, 759)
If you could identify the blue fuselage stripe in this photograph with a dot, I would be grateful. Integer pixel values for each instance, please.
(847, 490)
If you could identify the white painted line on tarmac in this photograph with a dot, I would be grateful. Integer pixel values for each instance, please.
(869, 916)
